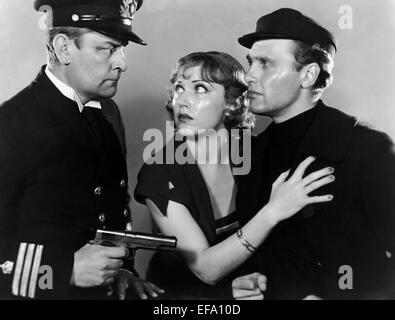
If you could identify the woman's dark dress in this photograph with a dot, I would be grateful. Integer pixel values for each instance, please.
(184, 184)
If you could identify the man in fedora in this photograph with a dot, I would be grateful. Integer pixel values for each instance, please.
(63, 173)
(337, 250)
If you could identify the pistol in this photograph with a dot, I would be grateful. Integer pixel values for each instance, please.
(134, 240)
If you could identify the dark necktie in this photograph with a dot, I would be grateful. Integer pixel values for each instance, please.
(92, 116)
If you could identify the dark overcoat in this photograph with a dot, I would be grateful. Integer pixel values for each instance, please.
(340, 249)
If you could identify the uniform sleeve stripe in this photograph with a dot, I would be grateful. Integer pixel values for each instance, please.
(35, 269)
(26, 269)
(18, 268)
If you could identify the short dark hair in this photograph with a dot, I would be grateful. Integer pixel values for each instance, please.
(305, 53)
(223, 69)
(72, 32)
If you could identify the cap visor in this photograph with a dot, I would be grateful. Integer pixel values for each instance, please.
(136, 39)
(121, 35)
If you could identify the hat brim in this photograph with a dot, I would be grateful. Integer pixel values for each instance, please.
(248, 40)
(121, 35)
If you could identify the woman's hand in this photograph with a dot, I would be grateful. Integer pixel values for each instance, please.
(288, 196)
(143, 288)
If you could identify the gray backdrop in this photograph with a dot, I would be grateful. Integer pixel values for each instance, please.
(364, 66)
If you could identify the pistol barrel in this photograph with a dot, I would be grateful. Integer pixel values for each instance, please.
(135, 240)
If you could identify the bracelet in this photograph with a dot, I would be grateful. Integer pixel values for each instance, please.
(244, 241)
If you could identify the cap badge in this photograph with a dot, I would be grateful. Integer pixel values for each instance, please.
(128, 9)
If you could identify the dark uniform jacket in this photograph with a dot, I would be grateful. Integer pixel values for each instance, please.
(58, 184)
(340, 249)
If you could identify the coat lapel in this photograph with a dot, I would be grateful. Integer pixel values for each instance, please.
(329, 136)
(63, 112)
(328, 140)
(258, 160)
(250, 197)
(112, 146)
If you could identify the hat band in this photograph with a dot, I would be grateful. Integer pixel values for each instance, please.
(89, 17)
(72, 16)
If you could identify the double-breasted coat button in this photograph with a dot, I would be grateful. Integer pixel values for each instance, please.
(102, 217)
(122, 183)
(97, 191)
(7, 267)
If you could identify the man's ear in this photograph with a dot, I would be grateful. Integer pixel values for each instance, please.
(310, 74)
(61, 44)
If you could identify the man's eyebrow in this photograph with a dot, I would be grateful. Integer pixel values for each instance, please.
(113, 43)
(261, 59)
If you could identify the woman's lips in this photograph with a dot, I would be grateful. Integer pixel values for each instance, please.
(184, 117)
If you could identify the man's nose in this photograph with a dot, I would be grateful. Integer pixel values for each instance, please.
(254, 73)
(120, 61)
(250, 76)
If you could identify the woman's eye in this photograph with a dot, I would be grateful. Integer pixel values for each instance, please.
(178, 88)
(200, 88)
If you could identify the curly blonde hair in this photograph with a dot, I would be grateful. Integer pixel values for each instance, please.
(223, 69)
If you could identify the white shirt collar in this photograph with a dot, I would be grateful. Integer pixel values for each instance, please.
(70, 93)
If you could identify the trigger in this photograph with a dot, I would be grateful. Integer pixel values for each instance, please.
(107, 243)
(131, 255)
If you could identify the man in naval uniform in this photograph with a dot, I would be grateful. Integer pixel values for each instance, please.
(63, 173)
